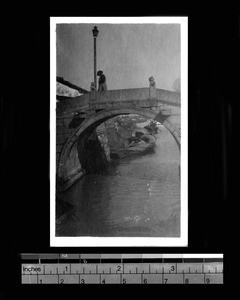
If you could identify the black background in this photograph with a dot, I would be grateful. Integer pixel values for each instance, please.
(213, 47)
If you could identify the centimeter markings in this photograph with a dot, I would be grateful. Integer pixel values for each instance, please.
(142, 278)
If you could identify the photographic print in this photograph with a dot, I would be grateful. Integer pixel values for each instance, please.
(118, 128)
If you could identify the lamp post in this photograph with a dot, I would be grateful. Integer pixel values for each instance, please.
(95, 34)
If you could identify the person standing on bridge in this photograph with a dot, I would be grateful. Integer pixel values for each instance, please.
(152, 82)
(102, 85)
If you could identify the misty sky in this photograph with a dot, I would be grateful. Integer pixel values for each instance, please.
(128, 54)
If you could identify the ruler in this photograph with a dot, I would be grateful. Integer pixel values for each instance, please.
(51, 268)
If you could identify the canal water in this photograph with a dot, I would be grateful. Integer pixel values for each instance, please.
(138, 195)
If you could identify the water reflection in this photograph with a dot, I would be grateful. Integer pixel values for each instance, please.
(138, 195)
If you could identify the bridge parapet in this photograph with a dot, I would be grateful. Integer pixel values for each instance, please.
(122, 95)
(142, 97)
(170, 97)
(137, 94)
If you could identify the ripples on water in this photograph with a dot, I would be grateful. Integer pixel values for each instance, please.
(136, 196)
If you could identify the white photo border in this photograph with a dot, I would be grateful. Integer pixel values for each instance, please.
(181, 241)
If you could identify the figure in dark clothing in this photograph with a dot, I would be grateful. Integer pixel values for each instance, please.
(102, 85)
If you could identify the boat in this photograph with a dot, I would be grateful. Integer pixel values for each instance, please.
(136, 147)
(146, 142)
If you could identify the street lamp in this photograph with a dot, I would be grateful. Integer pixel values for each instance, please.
(95, 34)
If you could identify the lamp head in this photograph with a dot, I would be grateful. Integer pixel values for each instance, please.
(95, 31)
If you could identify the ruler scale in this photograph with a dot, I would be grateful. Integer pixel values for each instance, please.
(121, 268)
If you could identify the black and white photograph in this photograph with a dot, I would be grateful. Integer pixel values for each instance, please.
(116, 146)
(120, 89)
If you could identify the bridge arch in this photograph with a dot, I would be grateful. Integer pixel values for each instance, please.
(93, 121)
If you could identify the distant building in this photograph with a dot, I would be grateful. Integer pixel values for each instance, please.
(66, 89)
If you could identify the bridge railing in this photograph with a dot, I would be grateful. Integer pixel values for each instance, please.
(138, 94)
(120, 95)
(135, 94)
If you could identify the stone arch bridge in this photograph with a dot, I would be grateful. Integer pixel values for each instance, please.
(78, 117)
